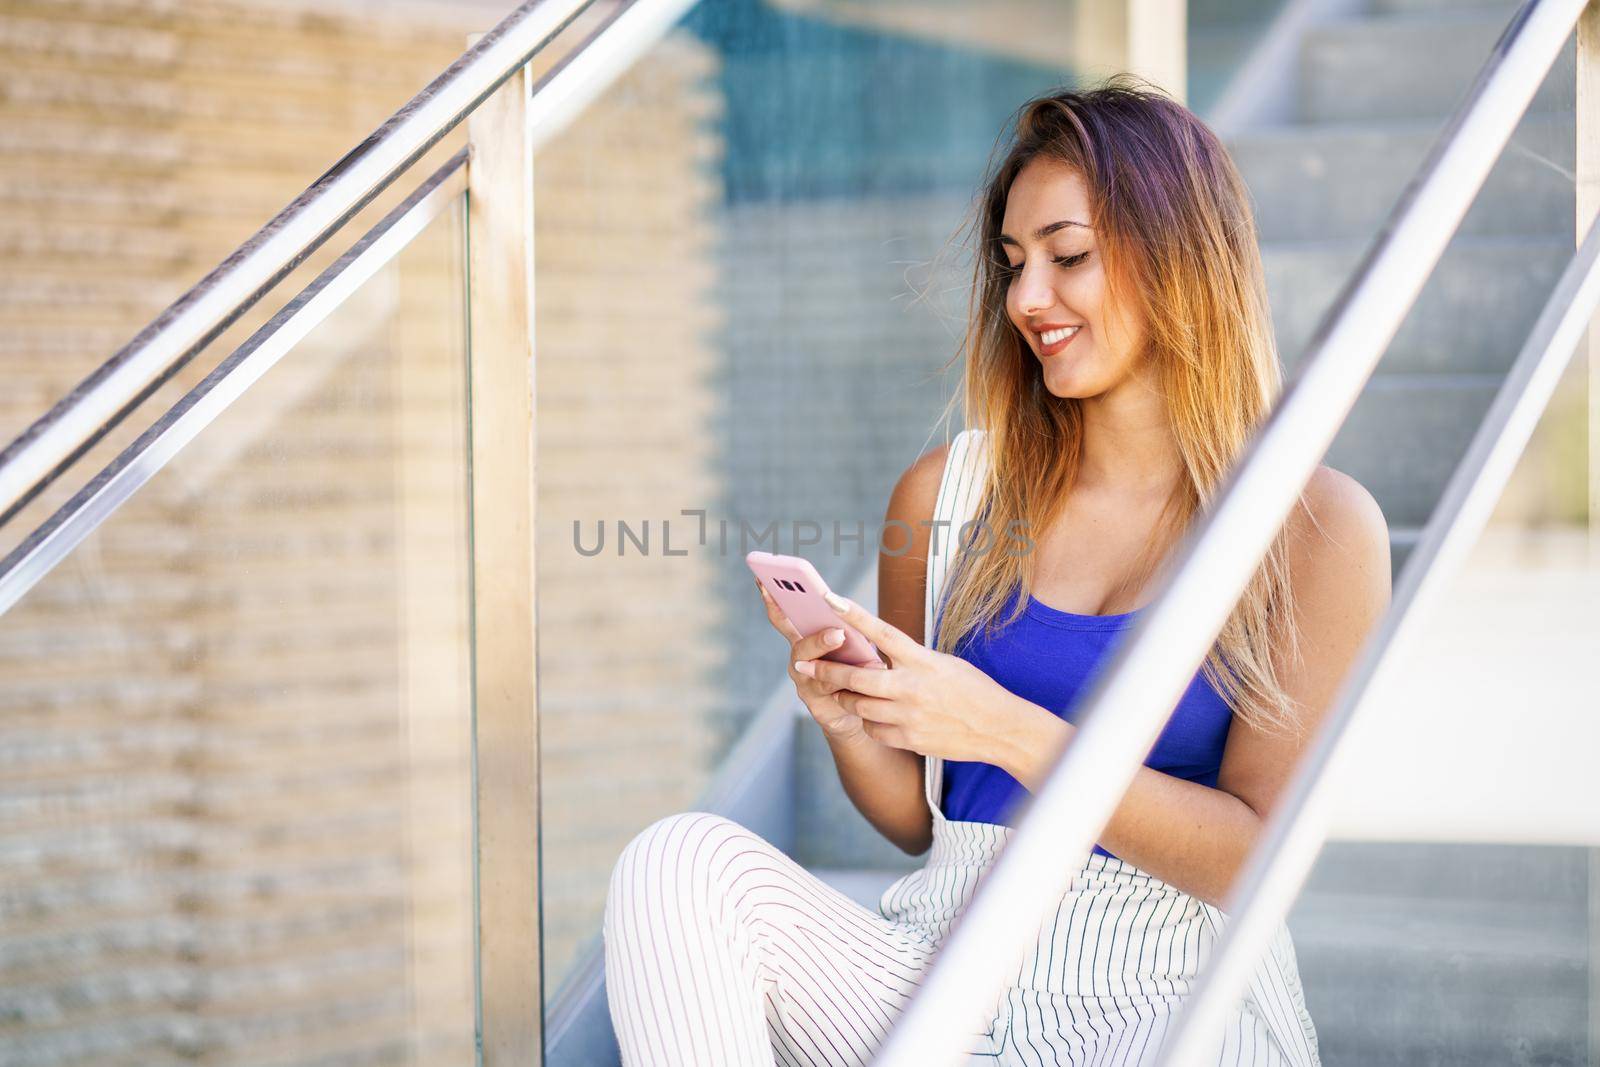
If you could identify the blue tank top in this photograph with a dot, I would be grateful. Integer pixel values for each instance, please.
(1050, 657)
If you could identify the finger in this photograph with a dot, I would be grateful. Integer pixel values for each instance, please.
(776, 617)
(867, 680)
(887, 733)
(896, 643)
(819, 644)
(876, 707)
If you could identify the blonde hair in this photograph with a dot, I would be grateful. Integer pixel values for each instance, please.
(1178, 240)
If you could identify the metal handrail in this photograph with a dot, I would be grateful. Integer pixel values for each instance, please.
(1280, 862)
(66, 528)
(59, 437)
(1124, 712)
(73, 424)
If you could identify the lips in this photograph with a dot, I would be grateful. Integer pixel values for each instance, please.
(1052, 349)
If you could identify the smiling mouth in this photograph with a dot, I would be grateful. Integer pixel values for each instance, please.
(1053, 341)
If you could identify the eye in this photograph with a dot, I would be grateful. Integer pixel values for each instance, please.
(1006, 270)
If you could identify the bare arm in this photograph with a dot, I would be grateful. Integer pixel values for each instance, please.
(882, 781)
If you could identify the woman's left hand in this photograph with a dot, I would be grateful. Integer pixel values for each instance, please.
(926, 701)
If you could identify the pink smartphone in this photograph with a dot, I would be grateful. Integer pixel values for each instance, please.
(797, 587)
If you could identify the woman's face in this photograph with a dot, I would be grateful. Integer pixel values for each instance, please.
(1059, 283)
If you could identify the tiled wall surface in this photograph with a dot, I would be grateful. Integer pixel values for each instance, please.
(627, 363)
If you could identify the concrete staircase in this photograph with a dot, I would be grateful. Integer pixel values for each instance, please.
(1422, 953)
(1323, 186)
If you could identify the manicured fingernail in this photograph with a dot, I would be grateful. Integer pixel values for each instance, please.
(805, 668)
(837, 603)
(833, 637)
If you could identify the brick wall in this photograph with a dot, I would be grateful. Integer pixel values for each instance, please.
(235, 811)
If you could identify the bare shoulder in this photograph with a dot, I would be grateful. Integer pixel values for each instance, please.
(1341, 509)
(918, 487)
(1339, 544)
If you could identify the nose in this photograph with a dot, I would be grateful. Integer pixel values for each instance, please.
(1033, 293)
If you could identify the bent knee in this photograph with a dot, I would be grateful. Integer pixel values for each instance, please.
(658, 857)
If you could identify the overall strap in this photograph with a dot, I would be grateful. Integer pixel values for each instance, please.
(964, 469)
(959, 489)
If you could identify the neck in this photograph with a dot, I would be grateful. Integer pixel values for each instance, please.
(1128, 445)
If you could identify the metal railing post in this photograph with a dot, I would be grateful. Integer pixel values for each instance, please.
(505, 736)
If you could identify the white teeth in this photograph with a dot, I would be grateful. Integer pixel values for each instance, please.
(1053, 336)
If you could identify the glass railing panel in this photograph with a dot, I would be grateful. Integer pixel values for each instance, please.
(48, 360)
(144, 142)
(236, 723)
(1451, 918)
(749, 283)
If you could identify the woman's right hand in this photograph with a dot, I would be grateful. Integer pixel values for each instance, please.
(817, 696)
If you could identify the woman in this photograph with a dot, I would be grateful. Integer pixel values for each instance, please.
(1119, 357)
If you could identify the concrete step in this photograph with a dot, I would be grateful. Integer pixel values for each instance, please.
(1437, 953)
(1341, 180)
(1215, 54)
(1406, 981)
(1367, 67)
(1472, 316)
(1450, 870)
(1406, 435)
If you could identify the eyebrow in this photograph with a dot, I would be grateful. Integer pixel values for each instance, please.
(1043, 231)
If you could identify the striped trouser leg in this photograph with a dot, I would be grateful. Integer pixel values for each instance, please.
(720, 949)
